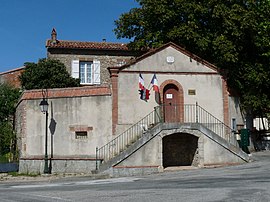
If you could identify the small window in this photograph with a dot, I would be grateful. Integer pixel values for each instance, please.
(234, 127)
(81, 134)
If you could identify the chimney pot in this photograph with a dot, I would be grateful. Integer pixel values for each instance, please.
(54, 36)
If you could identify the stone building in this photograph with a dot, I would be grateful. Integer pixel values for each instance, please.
(88, 60)
(110, 125)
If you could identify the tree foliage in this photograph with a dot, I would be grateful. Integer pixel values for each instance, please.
(8, 99)
(47, 73)
(234, 35)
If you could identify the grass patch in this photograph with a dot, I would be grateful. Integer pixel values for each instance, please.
(16, 174)
(3, 159)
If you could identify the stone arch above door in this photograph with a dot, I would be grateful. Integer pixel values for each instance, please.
(199, 161)
(177, 84)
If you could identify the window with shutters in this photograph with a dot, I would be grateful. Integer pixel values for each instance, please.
(87, 71)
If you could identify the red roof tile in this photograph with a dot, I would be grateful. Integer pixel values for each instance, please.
(86, 45)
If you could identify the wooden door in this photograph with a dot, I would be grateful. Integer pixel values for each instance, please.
(172, 106)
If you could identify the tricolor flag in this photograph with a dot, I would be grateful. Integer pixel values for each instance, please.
(154, 82)
(144, 94)
(141, 82)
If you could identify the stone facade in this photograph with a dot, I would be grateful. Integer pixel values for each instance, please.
(105, 61)
(109, 54)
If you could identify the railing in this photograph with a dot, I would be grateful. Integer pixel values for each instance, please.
(196, 114)
(131, 135)
(193, 113)
(190, 113)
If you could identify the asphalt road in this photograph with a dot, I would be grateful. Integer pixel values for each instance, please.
(247, 182)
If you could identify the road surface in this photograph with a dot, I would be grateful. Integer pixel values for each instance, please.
(247, 182)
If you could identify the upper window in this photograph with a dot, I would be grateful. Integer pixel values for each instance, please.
(87, 71)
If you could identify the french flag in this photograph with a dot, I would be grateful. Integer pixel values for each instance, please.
(141, 82)
(154, 82)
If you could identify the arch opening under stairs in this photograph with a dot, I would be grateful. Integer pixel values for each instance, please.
(179, 149)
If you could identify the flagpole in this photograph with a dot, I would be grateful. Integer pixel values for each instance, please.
(151, 83)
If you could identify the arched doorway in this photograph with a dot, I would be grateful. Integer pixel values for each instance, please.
(179, 149)
(172, 104)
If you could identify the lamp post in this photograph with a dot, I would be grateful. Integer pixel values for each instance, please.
(44, 109)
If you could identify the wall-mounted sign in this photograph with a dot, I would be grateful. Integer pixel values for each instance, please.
(169, 96)
(170, 59)
(191, 92)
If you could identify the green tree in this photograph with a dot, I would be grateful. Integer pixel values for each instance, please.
(8, 99)
(47, 73)
(234, 35)
(7, 137)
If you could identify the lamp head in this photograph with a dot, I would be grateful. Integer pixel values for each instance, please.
(44, 106)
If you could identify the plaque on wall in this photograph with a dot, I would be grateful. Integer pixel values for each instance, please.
(170, 59)
(192, 92)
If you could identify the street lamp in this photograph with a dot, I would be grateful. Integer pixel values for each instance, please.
(44, 109)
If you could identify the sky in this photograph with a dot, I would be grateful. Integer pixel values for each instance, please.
(25, 25)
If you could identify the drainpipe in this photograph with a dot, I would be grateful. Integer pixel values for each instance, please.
(196, 112)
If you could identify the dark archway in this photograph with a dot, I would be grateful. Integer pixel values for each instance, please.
(179, 149)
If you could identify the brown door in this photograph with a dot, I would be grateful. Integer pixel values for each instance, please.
(172, 106)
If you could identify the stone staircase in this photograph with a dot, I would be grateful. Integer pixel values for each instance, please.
(126, 144)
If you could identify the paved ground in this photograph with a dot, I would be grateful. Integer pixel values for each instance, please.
(247, 182)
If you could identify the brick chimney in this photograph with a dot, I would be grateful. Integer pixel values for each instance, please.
(53, 36)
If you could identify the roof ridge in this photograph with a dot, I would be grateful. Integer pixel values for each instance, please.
(12, 70)
(104, 42)
(87, 45)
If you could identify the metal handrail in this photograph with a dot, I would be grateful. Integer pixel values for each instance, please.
(216, 125)
(128, 137)
(191, 113)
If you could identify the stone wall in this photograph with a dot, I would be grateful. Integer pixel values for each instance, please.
(36, 166)
(79, 120)
(105, 61)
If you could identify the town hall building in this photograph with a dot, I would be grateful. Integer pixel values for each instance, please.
(134, 113)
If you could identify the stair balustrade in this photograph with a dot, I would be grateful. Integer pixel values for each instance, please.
(189, 113)
(130, 136)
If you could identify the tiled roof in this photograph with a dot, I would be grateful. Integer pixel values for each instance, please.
(12, 70)
(86, 45)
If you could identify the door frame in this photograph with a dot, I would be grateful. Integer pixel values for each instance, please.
(180, 93)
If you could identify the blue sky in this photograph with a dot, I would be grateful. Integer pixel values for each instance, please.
(25, 25)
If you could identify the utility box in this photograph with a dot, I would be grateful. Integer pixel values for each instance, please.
(245, 137)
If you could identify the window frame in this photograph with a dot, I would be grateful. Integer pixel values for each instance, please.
(81, 135)
(85, 72)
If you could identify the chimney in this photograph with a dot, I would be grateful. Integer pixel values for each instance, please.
(53, 36)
